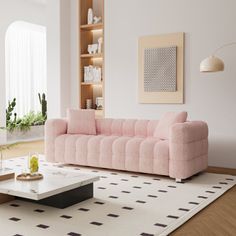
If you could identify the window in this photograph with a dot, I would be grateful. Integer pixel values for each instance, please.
(26, 74)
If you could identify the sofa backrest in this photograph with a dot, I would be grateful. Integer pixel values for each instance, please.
(126, 127)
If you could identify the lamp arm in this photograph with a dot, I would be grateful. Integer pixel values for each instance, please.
(223, 46)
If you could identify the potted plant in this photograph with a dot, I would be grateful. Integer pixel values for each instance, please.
(29, 126)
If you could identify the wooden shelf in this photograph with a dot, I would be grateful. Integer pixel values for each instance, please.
(89, 34)
(91, 83)
(98, 26)
(97, 55)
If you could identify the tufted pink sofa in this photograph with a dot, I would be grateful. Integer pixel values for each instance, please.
(130, 145)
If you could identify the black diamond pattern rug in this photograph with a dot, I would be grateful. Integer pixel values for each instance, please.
(124, 204)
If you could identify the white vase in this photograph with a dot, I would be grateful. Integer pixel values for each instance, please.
(90, 16)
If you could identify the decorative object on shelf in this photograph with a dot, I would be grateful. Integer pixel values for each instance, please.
(213, 63)
(92, 48)
(89, 103)
(100, 42)
(161, 68)
(97, 75)
(99, 103)
(97, 19)
(92, 74)
(33, 163)
(90, 16)
(29, 176)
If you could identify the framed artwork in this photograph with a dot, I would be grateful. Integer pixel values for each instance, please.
(161, 68)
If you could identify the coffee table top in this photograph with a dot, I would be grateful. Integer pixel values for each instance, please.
(54, 182)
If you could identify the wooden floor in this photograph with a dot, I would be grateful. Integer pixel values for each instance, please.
(218, 219)
(24, 149)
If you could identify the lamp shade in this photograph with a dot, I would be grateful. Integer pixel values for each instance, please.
(212, 64)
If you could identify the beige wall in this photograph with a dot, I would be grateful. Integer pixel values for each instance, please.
(210, 97)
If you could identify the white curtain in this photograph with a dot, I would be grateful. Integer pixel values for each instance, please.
(25, 66)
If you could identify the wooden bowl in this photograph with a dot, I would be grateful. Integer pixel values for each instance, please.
(29, 177)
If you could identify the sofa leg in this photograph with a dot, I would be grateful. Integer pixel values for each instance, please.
(178, 180)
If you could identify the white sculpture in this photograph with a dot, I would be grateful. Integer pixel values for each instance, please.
(99, 103)
(92, 48)
(97, 74)
(90, 16)
(92, 74)
(97, 19)
(100, 42)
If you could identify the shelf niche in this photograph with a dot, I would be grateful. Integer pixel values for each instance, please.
(89, 34)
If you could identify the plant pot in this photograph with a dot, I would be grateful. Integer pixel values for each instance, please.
(35, 132)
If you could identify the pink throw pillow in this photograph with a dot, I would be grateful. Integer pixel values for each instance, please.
(81, 121)
(166, 121)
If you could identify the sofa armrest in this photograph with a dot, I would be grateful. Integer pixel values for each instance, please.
(53, 128)
(188, 132)
(188, 149)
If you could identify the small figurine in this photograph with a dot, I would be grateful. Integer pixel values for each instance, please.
(92, 48)
(97, 19)
(100, 42)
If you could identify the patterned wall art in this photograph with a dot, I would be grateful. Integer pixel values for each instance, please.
(160, 69)
(161, 62)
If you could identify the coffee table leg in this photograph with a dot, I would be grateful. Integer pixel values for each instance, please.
(69, 198)
(5, 198)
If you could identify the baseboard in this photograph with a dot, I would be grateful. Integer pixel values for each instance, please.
(221, 170)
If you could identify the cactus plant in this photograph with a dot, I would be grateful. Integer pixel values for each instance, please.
(9, 110)
(43, 103)
(31, 119)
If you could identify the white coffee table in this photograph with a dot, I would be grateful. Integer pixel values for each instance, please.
(58, 188)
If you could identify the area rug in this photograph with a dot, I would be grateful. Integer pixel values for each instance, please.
(124, 204)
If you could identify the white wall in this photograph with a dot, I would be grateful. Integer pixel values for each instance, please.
(59, 57)
(74, 60)
(209, 97)
(10, 11)
(53, 59)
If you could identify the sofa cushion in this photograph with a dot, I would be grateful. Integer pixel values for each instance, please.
(81, 121)
(166, 121)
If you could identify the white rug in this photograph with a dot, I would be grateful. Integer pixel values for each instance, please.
(124, 204)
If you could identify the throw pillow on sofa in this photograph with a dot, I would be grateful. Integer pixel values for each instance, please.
(81, 121)
(166, 121)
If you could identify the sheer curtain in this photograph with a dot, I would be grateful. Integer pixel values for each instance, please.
(25, 65)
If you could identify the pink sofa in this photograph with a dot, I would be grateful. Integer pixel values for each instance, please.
(130, 145)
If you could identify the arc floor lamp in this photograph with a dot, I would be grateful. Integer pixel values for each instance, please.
(213, 63)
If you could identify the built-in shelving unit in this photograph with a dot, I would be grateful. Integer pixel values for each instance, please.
(89, 34)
